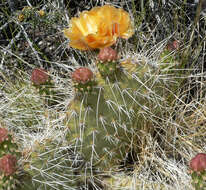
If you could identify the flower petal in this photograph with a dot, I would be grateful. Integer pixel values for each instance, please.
(125, 25)
(99, 28)
(96, 41)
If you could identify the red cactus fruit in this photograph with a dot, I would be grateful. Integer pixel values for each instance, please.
(3, 134)
(39, 76)
(175, 45)
(8, 164)
(82, 75)
(198, 163)
(107, 54)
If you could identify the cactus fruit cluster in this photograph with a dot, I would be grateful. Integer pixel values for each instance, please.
(9, 156)
(198, 171)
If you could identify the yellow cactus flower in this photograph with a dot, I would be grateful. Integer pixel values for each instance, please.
(21, 17)
(26, 8)
(41, 13)
(98, 28)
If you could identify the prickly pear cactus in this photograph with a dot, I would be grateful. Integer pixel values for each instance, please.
(101, 122)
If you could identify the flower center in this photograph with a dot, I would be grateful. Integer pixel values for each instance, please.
(115, 29)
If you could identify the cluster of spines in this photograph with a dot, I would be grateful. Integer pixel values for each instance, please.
(55, 166)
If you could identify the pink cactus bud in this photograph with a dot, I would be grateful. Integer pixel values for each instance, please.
(8, 164)
(82, 75)
(198, 163)
(107, 54)
(3, 134)
(39, 76)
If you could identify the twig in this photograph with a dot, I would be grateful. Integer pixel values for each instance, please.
(9, 46)
(197, 17)
(12, 5)
(30, 44)
(8, 51)
(2, 27)
(28, 3)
